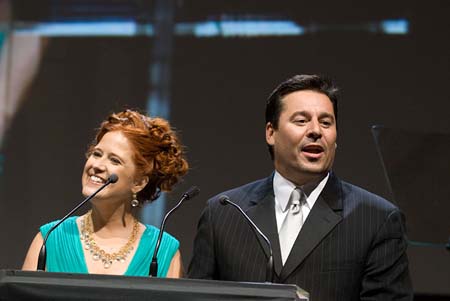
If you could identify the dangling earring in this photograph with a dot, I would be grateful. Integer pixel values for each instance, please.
(134, 201)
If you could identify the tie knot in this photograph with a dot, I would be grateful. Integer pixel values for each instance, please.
(295, 200)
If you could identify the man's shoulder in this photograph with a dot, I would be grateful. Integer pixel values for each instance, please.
(247, 192)
(358, 196)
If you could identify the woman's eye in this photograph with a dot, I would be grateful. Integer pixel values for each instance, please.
(96, 154)
(115, 161)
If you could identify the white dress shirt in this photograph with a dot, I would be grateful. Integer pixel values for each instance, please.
(283, 188)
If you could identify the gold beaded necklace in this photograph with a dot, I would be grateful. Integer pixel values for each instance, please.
(100, 254)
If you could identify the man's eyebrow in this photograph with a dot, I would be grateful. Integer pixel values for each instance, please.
(302, 113)
(326, 115)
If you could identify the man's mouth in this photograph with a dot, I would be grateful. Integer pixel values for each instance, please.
(313, 151)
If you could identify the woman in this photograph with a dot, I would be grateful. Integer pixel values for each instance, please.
(147, 157)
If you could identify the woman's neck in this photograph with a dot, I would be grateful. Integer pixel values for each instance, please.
(111, 219)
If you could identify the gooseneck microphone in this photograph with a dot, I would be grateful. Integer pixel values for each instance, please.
(224, 200)
(113, 178)
(192, 192)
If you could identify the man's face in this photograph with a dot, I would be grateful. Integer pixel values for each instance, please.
(304, 143)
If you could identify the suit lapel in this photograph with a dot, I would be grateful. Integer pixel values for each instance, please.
(324, 216)
(262, 214)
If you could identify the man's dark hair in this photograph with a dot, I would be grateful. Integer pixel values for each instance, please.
(317, 83)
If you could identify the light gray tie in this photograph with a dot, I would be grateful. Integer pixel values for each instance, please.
(292, 223)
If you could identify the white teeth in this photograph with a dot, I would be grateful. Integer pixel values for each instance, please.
(96, 179)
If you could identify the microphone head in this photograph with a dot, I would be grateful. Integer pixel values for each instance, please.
(113, 178)
(224, 199)
(192, 192)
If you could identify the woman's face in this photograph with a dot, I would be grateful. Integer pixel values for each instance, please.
(113, 154)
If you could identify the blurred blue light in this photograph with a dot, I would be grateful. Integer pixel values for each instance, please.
(260, 28)
(119, 28)
(400, 26)
(245, 28)
(207, 29)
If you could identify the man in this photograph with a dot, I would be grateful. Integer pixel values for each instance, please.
(346, 243)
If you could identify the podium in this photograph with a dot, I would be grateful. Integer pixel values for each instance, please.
(28, 285)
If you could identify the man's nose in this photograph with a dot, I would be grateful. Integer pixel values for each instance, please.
(314, 130)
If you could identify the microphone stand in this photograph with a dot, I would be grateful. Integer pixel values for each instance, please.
(224, 200)
(42, 259)
(192, 192)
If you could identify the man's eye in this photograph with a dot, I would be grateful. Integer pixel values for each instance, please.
(326, 123)
(300, 121)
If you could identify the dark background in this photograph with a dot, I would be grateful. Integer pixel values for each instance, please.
(218, 89)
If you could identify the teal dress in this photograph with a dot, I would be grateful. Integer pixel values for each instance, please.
(65, 252)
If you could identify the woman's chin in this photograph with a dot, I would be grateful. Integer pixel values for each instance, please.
(89, 190)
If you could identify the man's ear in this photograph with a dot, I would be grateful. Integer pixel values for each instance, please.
(140, 183)
(270, 131)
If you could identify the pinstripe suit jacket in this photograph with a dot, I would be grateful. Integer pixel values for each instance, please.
(351, 247)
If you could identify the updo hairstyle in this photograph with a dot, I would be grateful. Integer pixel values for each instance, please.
(158, 154)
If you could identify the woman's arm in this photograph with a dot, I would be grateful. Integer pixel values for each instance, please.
(31, 259)
(176, 267)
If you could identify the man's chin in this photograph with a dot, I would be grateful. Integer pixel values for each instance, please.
(313, 169)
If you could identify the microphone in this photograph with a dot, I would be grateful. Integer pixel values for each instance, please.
(224, 200)
(113, 178)
(192, 192)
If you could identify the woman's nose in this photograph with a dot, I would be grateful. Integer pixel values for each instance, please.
(99, 164)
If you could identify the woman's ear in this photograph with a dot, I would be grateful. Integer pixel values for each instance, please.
(140, 184)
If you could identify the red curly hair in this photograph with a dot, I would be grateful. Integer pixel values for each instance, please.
(158, 153)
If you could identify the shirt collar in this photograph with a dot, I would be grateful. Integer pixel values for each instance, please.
(283, 188)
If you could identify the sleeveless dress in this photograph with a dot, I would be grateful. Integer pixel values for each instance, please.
(65, 251)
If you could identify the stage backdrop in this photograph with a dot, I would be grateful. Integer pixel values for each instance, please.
(218, 89)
